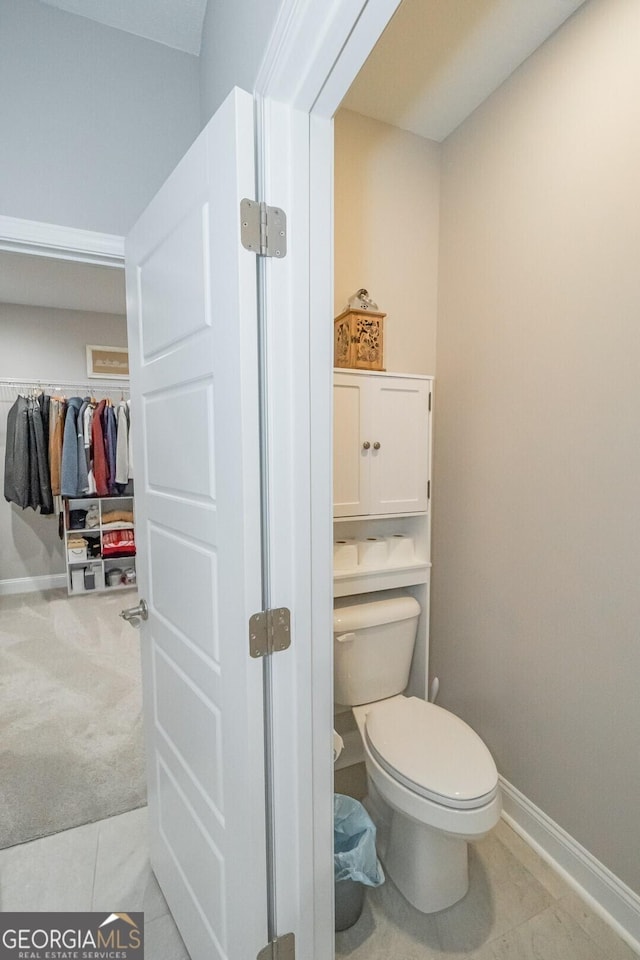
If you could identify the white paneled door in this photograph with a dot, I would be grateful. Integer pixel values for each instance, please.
(191, 290)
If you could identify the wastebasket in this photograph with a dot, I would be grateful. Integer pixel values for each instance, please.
(354, 859)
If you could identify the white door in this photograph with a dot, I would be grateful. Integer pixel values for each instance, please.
(194, 375)
(398, 408)
(350, 454)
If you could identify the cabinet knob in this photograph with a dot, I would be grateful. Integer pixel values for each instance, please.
(366, 445)
(376, 445)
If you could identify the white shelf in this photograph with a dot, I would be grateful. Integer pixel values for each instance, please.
(370, 579)
(382, 516)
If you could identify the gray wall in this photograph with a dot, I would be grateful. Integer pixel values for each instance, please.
(40, 343)
(93, 119)
(536, 603)
(234, 40)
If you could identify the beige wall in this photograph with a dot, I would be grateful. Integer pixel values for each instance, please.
(536, 596)
(386, 232)
(39, 343)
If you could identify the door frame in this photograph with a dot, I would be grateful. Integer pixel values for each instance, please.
(58, 242)
(313, 56)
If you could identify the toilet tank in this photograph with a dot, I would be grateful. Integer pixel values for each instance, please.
(373, 643)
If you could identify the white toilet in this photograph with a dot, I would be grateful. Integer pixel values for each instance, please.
(433, 785)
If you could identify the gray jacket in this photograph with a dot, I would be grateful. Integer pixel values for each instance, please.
(16, 459)
(69, 468)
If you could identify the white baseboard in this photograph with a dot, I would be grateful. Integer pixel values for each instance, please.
(32, 584)
(607, 895)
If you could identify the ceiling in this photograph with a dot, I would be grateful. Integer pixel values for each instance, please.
(62, 284)
(435, 63)
(176, 23)
(439, 59)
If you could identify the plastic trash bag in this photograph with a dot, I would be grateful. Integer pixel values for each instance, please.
(354, 843)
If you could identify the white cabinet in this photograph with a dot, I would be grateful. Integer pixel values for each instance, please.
(381, 444)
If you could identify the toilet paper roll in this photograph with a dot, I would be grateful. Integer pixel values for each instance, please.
(345, 554)
(372, 552)
(400, 548)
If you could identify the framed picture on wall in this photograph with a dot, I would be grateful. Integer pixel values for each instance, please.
(111, 363)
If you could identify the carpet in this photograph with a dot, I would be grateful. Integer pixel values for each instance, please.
(71, 740)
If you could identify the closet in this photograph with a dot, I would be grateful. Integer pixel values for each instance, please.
(64, 425)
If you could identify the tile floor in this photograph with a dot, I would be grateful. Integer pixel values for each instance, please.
(102, 866)
(517, 908)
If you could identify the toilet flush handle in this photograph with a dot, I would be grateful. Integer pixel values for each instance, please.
(346, 637)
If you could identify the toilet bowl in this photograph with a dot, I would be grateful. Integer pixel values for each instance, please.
(435, 788)
(433, 784)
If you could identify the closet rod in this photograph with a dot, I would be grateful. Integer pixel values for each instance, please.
(108, 385)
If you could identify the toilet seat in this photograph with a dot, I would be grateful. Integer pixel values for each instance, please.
(431, 752)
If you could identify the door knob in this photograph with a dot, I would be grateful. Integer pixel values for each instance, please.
(134, 615)
(366, 445)
(376, 445)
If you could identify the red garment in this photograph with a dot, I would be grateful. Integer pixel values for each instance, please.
(119, 543)
(100, 467)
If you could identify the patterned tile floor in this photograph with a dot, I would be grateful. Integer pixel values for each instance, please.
(102, 866)
(517, 908)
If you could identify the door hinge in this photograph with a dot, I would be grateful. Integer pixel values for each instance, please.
(428, 489)
(282, 948)
(263, 229)
(429, 401)
(269, 632)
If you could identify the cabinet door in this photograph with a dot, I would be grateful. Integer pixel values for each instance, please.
(350, 459)
(399, 423)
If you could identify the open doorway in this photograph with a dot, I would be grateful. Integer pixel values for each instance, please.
(72, 742)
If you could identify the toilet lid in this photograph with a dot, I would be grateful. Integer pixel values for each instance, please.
(431, 751)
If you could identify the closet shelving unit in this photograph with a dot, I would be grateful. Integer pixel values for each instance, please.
(10, 388)
(100, 566)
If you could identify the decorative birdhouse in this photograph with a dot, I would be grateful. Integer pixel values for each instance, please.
(358, 339)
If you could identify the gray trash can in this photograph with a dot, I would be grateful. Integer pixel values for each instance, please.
(354, 859)
(349, 903)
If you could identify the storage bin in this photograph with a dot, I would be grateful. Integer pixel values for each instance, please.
(114, 577)
(77, 554)
(77, 579)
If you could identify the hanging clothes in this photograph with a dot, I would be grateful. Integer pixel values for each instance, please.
(128, 403)
(56, 433)
(110, 432)
(42, 492)
(87, 420)
(83, 471)
(122, 445)
(26, 470)
(69, 467)
(16, 460)
(73, 448)
(100, 469)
